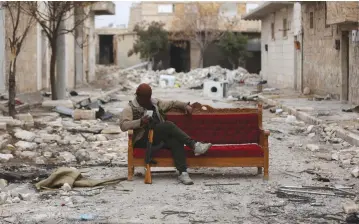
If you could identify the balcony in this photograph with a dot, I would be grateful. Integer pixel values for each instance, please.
(104, 8)
(342, 12)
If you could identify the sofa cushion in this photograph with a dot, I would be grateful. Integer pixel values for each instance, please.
(244, 150)
(219, 128)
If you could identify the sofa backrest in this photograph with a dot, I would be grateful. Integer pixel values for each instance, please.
(221, 126)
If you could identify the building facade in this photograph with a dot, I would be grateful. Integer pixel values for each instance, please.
(77, 52)
(165, 12)
(280, 29)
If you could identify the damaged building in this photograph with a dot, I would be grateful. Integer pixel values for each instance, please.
(184, 57)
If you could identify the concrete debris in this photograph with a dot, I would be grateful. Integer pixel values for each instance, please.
(312, 147)
(67, 157)
(5, 157)
(3, 183)
(311, 135)
(55, 103)
(25, 145)
(66, 187)
(290, 119)
(310, 128)
(82, 155)
(350, 207)
(25, 135)
(130, 78)
(355, 172)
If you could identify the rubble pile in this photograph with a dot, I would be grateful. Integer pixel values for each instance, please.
(194, 78)
(56, 140)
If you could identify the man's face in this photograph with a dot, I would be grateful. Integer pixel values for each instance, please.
(144, 100)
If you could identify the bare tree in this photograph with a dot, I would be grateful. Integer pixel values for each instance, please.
(201, 23)
(52, 17)
(18, 26)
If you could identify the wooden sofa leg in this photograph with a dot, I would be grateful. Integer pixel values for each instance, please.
(266, 173)
(259, 170)
(131, 171)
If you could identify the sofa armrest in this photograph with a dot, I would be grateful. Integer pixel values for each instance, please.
(130, 134)
(263, 138)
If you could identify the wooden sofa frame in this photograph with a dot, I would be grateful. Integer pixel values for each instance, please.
(259, 162)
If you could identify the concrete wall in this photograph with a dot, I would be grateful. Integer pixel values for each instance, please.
(322, 62)
(353, 72)
(278, 63)
(124, 44)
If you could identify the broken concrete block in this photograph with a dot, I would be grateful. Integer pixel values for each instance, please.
(16, 200)
(67, 157)
(25, 196)
(101, 138)
(40, 160)
(28, 155)
(55, 103)
(25, 145)
(111, 130)
(312, 147)
(355, 172)
(290, 119)
(66, 187)
(3, 183)
(345, 158)
(3, 126)
(5, 157)
(25, 135)
(310, 128)
(325, 156)
(3, 198)
(82, 155)
(335, 156)
(350, 207)
(25, 117)
(311, 135)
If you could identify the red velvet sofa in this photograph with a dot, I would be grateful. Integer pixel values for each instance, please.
(236, 134)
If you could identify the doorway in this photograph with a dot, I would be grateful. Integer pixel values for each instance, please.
(345, 66)
(106, 56)
(180, 56)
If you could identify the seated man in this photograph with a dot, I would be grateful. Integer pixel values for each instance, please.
(133, 118)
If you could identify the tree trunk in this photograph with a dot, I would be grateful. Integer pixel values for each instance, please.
(52, 72)
(200, 63)
(12, 88)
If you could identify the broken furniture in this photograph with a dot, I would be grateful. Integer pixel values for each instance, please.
(236, 134)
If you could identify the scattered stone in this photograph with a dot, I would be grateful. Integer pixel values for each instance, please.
(5, 157)
(306, 91)
(55, 103)
(25, 135)
(290, 119)
(67, 157)
(3, 183)
(355, 172)
(335, 156)
(325, 156)
(40, 160)
(82, 155)
(66, 187)
(25, 196)
(311, 135)
(310, 128)
(47, 155)
(312, 147)
(27, 118)
(112, 130)
(25, 145)
(101, 138)
(10, 219)
(335, 140)
(28, 155)
(3, 126)
(16, 200)
(345, 158)
(3, 198)
(350, 207)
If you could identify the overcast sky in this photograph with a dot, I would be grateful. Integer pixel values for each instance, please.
(123, 13)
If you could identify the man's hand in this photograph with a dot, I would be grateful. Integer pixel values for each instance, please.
(145, 120)
(188, 109)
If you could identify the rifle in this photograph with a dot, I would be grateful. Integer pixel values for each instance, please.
(149, 150)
